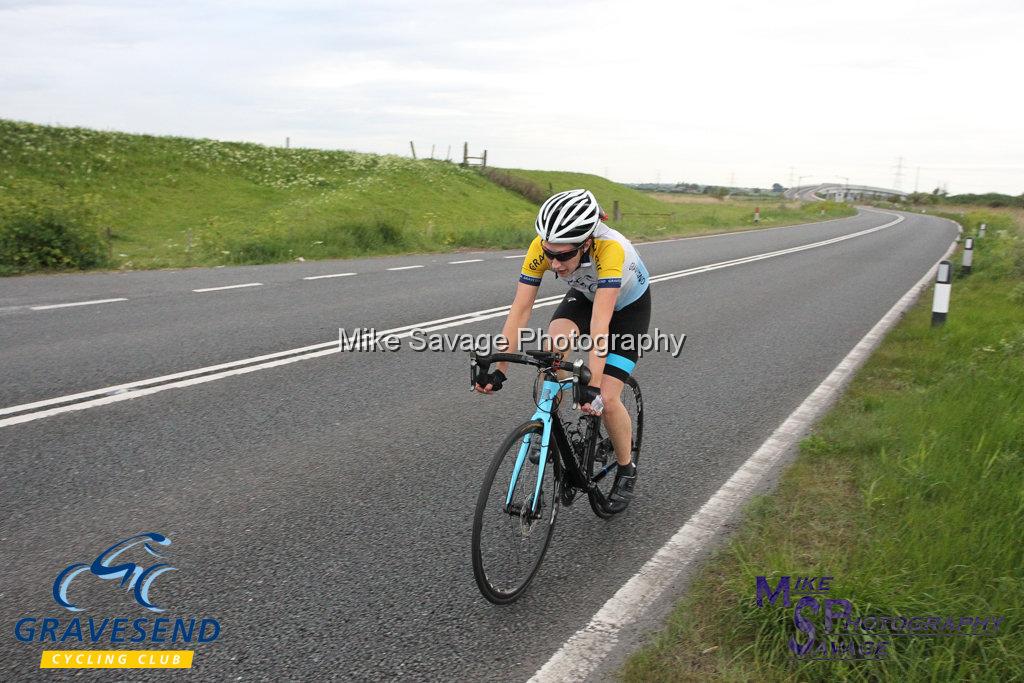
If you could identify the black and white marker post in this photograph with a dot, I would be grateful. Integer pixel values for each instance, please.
(981, 230)
(940, 304)
(965, 267)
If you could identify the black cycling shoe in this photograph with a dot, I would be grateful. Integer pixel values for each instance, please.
(622, 489)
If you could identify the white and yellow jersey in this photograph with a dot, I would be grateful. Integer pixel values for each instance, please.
(611, 262)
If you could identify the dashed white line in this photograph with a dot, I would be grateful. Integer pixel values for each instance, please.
(515, 256)
(131, 390)
(469, 260)
(321, 277)
(217, 289)
(405, 267)
(76, 303)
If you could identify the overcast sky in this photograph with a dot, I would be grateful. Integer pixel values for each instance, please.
(716, 92)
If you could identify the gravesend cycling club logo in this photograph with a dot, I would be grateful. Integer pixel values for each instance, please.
(829, 628)
(134, 577)
(133, 566)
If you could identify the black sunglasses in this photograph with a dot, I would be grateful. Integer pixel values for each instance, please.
(562, 255)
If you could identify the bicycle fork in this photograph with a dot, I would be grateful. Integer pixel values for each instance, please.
(545, 406)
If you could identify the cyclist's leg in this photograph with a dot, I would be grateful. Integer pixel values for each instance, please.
(570, 319)
(561, 333)
(625, 329)
(616, 418)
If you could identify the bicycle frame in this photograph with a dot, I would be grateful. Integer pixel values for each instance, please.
(552, 425)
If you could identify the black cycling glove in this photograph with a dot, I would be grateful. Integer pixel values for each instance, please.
(589, 394)
(495, 379)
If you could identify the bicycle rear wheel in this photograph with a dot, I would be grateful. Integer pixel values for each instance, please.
(510, 538)
(601, 463)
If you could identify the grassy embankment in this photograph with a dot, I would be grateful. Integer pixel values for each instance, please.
(650, 216)
(71, 197)
(910, 493)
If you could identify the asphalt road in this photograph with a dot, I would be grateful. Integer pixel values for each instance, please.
(321, 509)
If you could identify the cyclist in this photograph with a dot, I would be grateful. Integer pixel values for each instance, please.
(609, 299)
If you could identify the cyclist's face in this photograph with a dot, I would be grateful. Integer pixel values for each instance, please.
(560, 267)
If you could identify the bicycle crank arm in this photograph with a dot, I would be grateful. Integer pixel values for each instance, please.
(604, 473)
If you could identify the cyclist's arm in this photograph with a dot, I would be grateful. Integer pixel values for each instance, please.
(518, 316)
(600, 319)
(534, 267)
(611, 258)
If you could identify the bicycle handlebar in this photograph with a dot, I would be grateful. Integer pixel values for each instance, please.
(485, 360)
(480, 365)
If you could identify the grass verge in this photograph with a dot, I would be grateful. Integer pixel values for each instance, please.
(910, 493)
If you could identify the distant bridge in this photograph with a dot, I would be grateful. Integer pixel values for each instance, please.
(840, 192)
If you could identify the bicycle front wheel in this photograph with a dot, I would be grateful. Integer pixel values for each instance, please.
(510, 532)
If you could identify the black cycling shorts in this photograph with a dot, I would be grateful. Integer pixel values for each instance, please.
(628, 323)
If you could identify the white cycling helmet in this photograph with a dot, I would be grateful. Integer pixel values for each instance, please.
(568, 217)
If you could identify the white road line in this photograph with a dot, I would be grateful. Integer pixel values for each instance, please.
(469, 260)
(162, 387)
(405, 267)
(581, 655)
(217, 289)
(77, 303)
(734, 232)
(130, 390)
(749, 230)
(321, 277)
(771, 254)
(121, 389)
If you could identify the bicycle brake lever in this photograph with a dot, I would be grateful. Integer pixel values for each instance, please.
(576, 378)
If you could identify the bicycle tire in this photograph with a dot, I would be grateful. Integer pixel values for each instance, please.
(633, 400)
(489, 562)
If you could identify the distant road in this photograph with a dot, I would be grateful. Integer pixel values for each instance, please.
(805, 193)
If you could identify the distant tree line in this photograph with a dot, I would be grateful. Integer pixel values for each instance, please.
(697, 188)
(991, 199)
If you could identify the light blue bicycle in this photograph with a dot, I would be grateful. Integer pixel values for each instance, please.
(544, 463)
